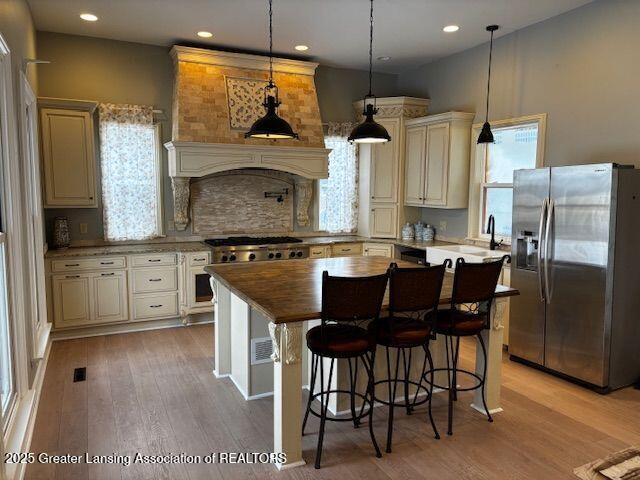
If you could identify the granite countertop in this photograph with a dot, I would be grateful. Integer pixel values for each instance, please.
(184, 247)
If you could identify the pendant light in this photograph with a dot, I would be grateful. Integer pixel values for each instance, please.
(369, 131)
(486, 136)
(271, 126)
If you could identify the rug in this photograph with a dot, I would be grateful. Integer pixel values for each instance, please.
(622, 465)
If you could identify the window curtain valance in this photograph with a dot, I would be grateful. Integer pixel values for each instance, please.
(340, 190)
(128, 159)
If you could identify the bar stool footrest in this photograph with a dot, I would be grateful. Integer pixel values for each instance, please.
(358, 417)
(479, 379)
(398, 403)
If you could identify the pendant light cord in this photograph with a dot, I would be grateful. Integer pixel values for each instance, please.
(370, 48)
(271, 42)
(489, 76)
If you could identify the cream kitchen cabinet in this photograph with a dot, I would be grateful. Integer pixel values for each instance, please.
(437, 160)
(68, 153)
(320, 251)
(384, 164)
(381, 170)
(383, 223)
(377, 250)
(346, 249)
(90, 298)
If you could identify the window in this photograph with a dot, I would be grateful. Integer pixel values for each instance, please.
(131, 172)
(519, 144)
(338, 194)
(7, 203)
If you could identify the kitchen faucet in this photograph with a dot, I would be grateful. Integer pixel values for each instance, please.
(491, 228)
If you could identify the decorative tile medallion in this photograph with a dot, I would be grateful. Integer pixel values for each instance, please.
(244, 97)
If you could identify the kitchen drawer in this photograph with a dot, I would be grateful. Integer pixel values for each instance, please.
(320, 252)
(346, 249)
(153, 260)
(87, 263)
(196, 259)
(146, 280)
(158, 305)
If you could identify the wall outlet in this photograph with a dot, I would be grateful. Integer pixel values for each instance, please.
(443, 226)
(83, 228)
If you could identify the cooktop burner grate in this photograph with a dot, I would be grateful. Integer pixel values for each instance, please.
(241, 241)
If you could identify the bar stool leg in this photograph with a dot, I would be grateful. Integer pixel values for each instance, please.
(354, 380)
(392, 396)
(407, 377)
(432, 378)
(451, 379)
(484, 376)
(455, 384)
(314, 372)
(372, 398)
(323, 408)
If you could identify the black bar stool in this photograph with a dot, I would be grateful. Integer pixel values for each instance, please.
(347, 302)
(414, 294)
(474, 287)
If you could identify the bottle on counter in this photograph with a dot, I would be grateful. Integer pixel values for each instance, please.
(429, 233)
(408, 232)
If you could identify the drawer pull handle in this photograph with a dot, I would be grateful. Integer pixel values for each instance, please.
(154, 260)
(156, 306)
(346, 249)
(72, 276)
(155, 279)
(71, 264)
(199, 259)
(106, 263)
(107, 274)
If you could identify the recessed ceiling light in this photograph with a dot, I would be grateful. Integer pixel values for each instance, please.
(384, 58)
(205, 34)
(451, 28)
(301, 48)
(89, 17)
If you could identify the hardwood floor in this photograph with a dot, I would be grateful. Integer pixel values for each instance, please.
(153, 392)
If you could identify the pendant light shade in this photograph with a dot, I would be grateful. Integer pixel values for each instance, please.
(486, 135)
(271, 126)
(369, 131)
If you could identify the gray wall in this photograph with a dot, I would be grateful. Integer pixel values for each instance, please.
(121, 72)
(582, 68)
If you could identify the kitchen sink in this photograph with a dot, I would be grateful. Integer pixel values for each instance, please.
(470, 253)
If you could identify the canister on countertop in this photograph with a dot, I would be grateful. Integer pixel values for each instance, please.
(408, 232)
(429, 233)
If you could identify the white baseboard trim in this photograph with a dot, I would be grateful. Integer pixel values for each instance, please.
(482, 411)
(123, 328)
(240, 389)
(21, 434)
(220, 375)
(286, 466)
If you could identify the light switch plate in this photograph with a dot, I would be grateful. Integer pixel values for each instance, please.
(443, 225)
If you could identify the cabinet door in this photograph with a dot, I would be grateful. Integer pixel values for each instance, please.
(383, 221)
(414, 165)
(68, 157)
(71, 300)
(384, 165)
(377, 250)
(437, 164)
(110, 297)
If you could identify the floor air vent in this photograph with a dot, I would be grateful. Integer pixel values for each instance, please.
(80, 374)
(261, 350)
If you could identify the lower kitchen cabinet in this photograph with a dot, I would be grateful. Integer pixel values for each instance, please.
(346, 249)
(90, 298)
(383, 221)
(322, 251)
(377, 250)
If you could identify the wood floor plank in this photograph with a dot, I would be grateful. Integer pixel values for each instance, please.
(154, 392)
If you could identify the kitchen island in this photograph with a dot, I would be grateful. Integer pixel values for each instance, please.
(283, 299)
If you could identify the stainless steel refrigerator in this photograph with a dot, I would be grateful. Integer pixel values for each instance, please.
(576, 262)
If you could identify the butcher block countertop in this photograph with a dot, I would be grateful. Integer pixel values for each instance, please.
(291, 291)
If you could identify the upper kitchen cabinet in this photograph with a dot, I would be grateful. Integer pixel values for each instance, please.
(437, 160)
(68, 153)
(381, 168)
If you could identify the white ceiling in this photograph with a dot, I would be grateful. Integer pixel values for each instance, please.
(409, 31)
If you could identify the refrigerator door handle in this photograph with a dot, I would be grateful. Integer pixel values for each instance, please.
(550, 211)
(541, 230)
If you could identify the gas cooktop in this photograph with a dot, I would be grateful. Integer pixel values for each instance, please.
(243, 241)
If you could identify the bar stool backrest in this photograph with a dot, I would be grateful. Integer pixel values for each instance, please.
(474, 285)
(415, 289)
(352, 299)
